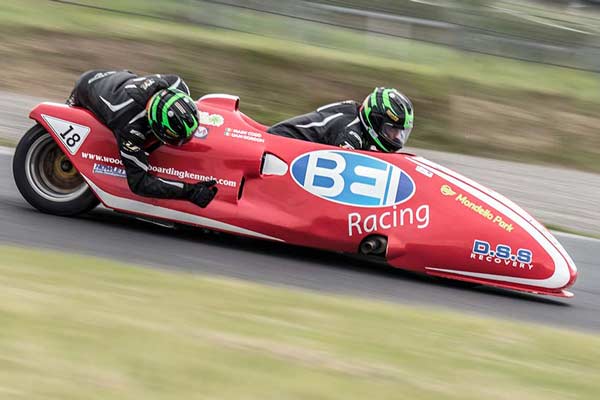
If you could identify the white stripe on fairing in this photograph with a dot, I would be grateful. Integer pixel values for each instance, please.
(561, 275)
(322, 123)
(135, 160)
(218, 96)
(7, 151)
(134, 206)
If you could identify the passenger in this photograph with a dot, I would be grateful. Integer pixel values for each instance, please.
(383, 122)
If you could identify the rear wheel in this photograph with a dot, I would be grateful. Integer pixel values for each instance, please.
(47, 179)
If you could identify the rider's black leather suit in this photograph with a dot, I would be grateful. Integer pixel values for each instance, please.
(337, 124)
(118, 99)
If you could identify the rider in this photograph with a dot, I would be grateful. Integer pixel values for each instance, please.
(383, 122)
(134, 107)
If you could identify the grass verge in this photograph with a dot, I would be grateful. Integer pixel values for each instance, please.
(559, 228)
(7, 142)
(465, 102)
(78, 327)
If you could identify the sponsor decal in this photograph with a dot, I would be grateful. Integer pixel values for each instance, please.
(245, 135)
(72, 135)
(393, 116)
(351, 178)
(109, 170)
(201, 132)
(390, 219)
(502, 254)
(447, 190)
(424, 171)
(477, 208)
(210, 119)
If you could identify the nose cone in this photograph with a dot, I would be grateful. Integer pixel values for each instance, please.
(565, 269)
(489, 239)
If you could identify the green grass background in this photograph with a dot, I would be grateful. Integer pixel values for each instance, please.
(465, 102)
(80, 327)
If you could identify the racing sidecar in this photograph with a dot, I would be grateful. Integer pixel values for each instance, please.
(402, 208)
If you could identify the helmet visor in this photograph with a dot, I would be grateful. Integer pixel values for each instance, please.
(174, 139)
(395, 134)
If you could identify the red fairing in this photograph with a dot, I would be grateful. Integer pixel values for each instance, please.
(437, 222)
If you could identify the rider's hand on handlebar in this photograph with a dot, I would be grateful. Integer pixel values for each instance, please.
(201, 193)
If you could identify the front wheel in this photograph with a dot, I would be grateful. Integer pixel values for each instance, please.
(47, 179)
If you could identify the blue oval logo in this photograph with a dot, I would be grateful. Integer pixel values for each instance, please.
(352, 178)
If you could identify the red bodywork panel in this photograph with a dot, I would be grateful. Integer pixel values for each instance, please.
(436, 221)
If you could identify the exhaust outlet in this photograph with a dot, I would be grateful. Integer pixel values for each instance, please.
(373, 245)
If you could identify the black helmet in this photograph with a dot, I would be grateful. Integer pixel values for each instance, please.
(387, 115)
(173, 116)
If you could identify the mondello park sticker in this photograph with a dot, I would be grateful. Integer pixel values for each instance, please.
(446, 190)
(352, 178)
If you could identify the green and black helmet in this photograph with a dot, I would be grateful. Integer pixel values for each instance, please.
(173, 116)
(387, 115)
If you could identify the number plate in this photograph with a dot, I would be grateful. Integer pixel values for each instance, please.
(72, 135)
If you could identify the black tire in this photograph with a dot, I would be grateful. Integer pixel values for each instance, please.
(47, 179)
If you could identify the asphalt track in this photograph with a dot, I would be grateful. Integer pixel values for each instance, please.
(108, 234)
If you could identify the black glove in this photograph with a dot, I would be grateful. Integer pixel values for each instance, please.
(349, 139)
(201, 193)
